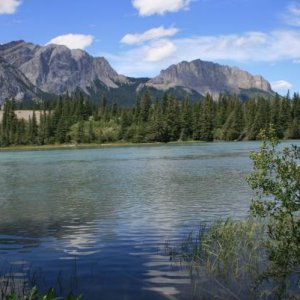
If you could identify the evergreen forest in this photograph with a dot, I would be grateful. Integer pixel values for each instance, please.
(77, 120)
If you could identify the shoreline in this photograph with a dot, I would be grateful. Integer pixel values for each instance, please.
(89, 146)
(21, 148)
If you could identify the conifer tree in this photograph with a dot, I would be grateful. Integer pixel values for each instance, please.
(206, 119)
(186, 120)
(233, 127)
(80, 132)
(145, 107)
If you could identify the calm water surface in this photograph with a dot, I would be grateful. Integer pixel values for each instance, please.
(96, 221)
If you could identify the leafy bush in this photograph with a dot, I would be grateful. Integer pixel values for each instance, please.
(276, 183)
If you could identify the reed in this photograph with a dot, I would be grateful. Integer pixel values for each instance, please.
(30, 285)
(226, 260)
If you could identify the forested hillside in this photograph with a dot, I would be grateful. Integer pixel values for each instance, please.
(75, 119)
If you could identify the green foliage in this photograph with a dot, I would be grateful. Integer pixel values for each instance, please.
(276, 182)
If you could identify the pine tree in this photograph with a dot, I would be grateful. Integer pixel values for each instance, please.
(221, 111)
(261, 120)
(233, 127)
(145, 107)
(286, 120)
(91, 133)
(206, 119)
(196, 121)
(275, 117)
(80, 138)
(294, 129)
(21, 133)
(186, 120)
(249, 113)
(159, 129)
(33, 133)
(9, 124)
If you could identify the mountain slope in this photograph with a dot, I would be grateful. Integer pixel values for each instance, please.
(14, 85)
(207, 77)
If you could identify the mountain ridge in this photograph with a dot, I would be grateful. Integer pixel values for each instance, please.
(56, 69)
(215, 78)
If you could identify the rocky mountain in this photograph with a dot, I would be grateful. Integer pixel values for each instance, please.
(13, 84)
(207, 77)
(27, 70)
(56, 69)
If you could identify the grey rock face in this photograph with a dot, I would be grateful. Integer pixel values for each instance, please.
(18, 52)
(14, 85)
(206, 77)
(57, 69)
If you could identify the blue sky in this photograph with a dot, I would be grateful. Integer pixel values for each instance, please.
(141, 37)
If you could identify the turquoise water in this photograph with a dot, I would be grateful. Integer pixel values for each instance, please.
(99, 219)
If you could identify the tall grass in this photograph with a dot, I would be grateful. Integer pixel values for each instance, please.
(226, 260)
(230, 260)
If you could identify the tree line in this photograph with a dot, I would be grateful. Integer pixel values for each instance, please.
(75, 119)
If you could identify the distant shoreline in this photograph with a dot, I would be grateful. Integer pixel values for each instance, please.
(89, 146)
(110, 145)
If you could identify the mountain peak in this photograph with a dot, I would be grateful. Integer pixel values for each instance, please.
(12, 43)
(208, 77)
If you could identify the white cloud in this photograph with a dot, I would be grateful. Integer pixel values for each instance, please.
(255, 46)
(281, 85)
(143, 60)
(151, 7)
(251, 38)
(248, 47)
(159, 50)
(292, 14)
(73, 41)
(9, 6)
(152, 34)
